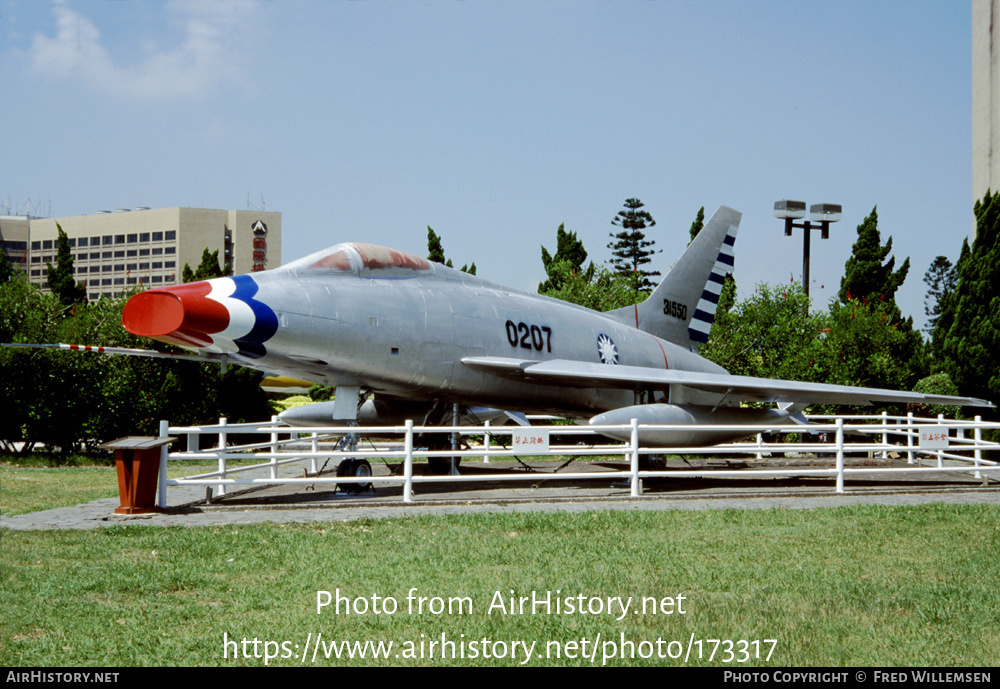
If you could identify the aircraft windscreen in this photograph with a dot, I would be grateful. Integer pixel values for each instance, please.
(351, 257)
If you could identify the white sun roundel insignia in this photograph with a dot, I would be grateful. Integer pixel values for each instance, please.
(607, 350)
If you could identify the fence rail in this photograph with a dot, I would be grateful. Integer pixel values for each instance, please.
(960, 443)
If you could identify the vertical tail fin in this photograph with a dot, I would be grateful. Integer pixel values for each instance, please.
(682, 307)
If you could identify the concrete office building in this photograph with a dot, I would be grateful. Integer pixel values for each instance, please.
(985, 97)
(113, 251)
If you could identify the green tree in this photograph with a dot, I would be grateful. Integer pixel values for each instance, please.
(967, 333)
(569, 249)
(868, 276)
(60, 279)
(940, 279)
(435, 252)
(630, 248)
(770, 334)
(6, 269)
(596, 288)
(207, 270)
(698, 224)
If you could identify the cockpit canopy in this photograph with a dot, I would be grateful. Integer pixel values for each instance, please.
(353, 257)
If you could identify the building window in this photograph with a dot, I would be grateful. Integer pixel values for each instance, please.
(157, 252)
(106, 240)
(170, 236)
(132, 238)
(144, 236)
(47, 244)
(119, 239)
(170, 250)
(144, 252)
(83, 241)
(157, 236)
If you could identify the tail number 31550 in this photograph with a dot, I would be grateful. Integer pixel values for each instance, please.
(527, 336)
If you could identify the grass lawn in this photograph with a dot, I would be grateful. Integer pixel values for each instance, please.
(864, 585)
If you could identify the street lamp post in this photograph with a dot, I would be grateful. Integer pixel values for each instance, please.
(821, 215)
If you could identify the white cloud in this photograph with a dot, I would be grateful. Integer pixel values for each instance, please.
(213, 50)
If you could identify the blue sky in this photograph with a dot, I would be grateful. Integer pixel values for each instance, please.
(494, 122)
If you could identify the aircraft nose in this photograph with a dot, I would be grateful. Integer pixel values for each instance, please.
(181, 315)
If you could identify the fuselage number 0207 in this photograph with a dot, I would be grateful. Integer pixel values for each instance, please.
(536, 337)
(675, 309)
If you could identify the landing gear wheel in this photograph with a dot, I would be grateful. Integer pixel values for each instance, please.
(652, 463)
(357, 468)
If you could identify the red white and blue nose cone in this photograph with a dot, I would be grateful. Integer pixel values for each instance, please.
(218, 315)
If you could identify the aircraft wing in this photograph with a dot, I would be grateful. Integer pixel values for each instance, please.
(207, 358)
(590, 375)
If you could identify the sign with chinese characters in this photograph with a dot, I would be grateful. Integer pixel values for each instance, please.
(259, 247)
(933, 437)
(530, 441)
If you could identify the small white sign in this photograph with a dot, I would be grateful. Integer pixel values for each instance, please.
(530, 441)
(933, 437)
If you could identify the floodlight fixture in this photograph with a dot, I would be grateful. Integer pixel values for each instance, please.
(830, 212)
(820, 217)
(789, 209)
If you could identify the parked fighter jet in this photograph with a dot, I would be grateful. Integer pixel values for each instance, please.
(421, 337)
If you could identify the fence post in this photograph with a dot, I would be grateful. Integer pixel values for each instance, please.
(634, 459)
(313, 448)
(979, 446)
(840, 455)
(274, 448)
(885, 434)
(486, 443)
(940, 453)
(909, 437)
(760, 442)
(408, 463)
(220, 489)
(164, 432)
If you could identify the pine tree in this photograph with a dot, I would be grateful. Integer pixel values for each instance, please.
(867, 277)
(631, 249)
(568, 248)
(206, 270)
(60, 279)
(435, 251)
(967, 332)
(940, 279)
(6, 269)
(698, 224)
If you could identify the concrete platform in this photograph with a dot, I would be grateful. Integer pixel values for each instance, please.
(540, 489)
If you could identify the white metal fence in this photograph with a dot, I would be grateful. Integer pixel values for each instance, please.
(928, 445)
